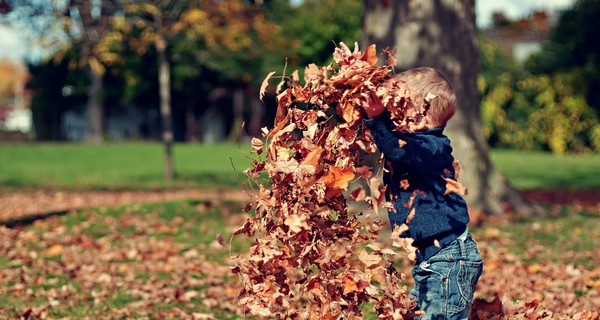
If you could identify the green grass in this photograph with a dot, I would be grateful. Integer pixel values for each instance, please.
(531, 170)
(120, 166)
(140, 166)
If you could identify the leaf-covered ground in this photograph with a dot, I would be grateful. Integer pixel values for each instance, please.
(163, 261)
(157, 262)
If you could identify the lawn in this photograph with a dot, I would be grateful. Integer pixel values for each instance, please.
(140, 166)
(543, 170)
(120, 166)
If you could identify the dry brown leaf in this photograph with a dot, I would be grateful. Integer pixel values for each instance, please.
(264, 85)
(454, 186)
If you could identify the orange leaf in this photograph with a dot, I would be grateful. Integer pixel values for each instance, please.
(404, 184)
(454, 186)
(300, 94)
(350, 286)
(350, 113)
(370, 55)
(53, 250)
(337, 178)
(312, 158)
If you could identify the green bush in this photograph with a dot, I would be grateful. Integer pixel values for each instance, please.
(527, 111)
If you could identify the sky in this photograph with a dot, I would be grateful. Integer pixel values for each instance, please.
(514, 9)
(12, 47)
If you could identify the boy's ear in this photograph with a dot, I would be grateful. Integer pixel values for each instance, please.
(421, 125)
(428, 122)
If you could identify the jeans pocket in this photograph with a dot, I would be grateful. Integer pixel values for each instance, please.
(468, 275)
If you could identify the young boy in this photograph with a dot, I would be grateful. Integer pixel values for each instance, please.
(448, 263)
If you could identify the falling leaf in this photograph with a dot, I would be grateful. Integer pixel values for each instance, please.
(368, 259)
(312, 158)
(456, 166)
(296, 223)
(454, 186)
(404, 184)
(264, 85)
(220, 240)
(338, 178)
(257, 145)
(370, 55)
(359, 194)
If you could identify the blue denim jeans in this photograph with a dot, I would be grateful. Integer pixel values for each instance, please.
(445, 283)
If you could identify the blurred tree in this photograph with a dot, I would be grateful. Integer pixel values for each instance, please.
(88, 22)
(226, 36)
(442, 35)
(56, 88)
(318, 26)
(574, 47)
(55, 26)
(499, 19)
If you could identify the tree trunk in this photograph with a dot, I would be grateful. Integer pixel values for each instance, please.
(94, 108)
(191, 123)
(235, 133)
(165, 104)
(442, 34)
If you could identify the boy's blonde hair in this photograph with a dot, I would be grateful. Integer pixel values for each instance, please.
(423, 81)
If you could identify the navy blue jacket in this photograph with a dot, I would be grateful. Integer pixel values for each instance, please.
(423, 161)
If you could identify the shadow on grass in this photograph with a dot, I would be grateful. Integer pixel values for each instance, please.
(30, 219)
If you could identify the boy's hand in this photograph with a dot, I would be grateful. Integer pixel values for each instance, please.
(373, 107)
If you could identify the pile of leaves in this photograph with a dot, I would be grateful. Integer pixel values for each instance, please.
(310, 257)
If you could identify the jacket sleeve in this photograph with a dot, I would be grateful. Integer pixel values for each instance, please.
(387, 140)
(421, 152)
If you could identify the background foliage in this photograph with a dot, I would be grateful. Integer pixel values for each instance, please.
(550, 102)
